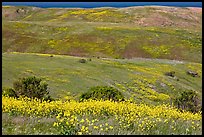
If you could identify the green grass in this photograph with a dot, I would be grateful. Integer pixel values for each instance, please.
(139, 79)
(24, 125)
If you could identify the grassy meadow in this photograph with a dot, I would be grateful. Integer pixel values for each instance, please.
(129, 49)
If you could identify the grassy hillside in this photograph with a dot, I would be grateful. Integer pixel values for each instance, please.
(150, 32)
(143, 80)
(130, 49)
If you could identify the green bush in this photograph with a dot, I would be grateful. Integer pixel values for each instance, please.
(9, 92)
(48, 98)
(31, 87)
(102, 92)
(188, 100)
(82, 61)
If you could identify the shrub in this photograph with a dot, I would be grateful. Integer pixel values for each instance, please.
(188, 100)
(104, 93)
(48, 98)
(82, 61)
(9, 92)
(31, 87)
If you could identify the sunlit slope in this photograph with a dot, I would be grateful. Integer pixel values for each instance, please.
(142, 80)
(141, 15)
(149, 32)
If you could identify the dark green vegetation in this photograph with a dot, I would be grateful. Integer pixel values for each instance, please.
(31, 87)
(104, 93)
(10, 92)
(188, 100)
(82, 61)
(150, 32)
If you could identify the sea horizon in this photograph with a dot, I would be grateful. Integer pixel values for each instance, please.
(101, 4)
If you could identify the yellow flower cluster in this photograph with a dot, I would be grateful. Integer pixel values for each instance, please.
(157, 51)
(42, 108)
(104, 28)
(103, 117)
(81, 12)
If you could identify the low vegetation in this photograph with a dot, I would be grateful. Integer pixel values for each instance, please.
(31, 87)
(9, 92)
(102, 93)
(82, 61)
(188, 100)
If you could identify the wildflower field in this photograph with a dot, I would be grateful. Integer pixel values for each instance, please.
(106, 117)
(144, 54)
(105, 32)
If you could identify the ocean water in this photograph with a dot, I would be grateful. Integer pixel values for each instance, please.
(101, 4)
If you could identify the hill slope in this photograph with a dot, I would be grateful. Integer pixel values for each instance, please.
(150, 32)
(143, 80)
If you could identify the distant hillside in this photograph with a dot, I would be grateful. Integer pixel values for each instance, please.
(149, 32)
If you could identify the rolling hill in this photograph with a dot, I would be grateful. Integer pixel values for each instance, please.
(148, 32)
(143, 80)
